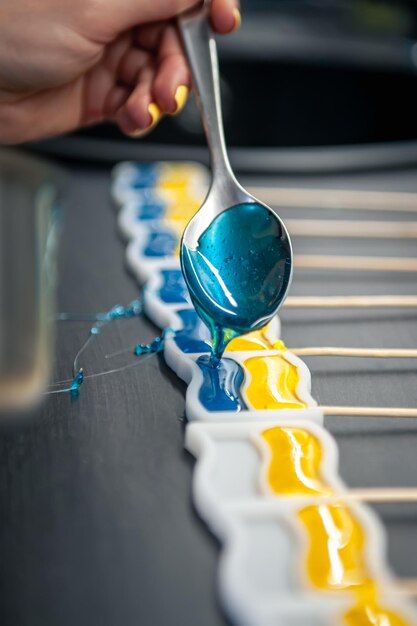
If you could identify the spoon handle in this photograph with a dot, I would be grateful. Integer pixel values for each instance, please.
(202, 56)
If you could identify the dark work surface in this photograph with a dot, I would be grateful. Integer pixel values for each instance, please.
(97, 525)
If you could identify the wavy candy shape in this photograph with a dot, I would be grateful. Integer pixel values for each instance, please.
(220, 389)
(295, 462)
(274, 382)
(264, 462)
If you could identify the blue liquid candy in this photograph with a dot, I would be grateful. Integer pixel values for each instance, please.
(220, 390)
(161, 243)
(194, 337)
(239, 273)
(151, 211)
(146, 175)
(151, 207)
(173, 289)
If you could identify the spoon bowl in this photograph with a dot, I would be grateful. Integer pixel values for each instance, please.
(236, 254)
(239, 272)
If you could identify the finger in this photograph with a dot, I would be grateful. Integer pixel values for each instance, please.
(130, 66)
(101, 79)
(172, 80)
(149, 36)
(117, 50)
(110, 82)
(225, 16)
(115, 99)
(139, 113)
(131, 14)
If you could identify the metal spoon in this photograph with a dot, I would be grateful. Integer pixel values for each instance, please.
(225, 192)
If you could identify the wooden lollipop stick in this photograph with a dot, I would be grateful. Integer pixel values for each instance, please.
(376, 494)
(357, 263)
(352, 228)
(372, 353)
(345, 302)
(407, 586)
(336, 199)
(368, 411)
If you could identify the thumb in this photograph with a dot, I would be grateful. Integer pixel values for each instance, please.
(131, 13)
(225, 15)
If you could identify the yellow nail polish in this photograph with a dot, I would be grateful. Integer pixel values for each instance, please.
(155, 113)
(181, 95)
(238, 19)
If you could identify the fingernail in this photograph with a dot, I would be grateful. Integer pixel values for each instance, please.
(238, 19)
(138, 132)
(155, 113)
(181, 95)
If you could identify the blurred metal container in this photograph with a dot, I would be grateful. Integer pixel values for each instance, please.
(29, 192)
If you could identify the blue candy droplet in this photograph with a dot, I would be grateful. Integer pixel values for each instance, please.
(157, 345)
(76, 383)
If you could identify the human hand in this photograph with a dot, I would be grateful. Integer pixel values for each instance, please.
(67, 64)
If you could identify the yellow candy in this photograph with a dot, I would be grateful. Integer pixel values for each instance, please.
(295, 462)
(256, 340)
(176, 175)
(336, 562)
(274, 382)
(372, 614)
(182, 205)
(336, 552)
(182, 211)
(335, 558)
(252, 341)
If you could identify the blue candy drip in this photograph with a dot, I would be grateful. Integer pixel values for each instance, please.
(220, 390)
(194, 337)
(76, 383)
(161, 243)
(239, 273)
(134, 309)
(157, 345)
(174, 289)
